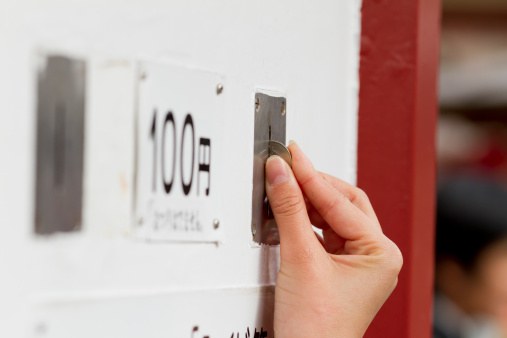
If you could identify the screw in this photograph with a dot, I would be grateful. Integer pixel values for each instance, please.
(40, 329)
(257, 105)
(254, 229)
(216, 223)
(220, 88)
(283, 108)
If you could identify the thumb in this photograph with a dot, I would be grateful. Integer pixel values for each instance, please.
(297, 239)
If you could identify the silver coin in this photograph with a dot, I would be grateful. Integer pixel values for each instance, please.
(278, 148)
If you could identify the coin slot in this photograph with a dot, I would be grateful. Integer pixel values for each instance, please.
(268, 208)
(59, 149)
(270, 126)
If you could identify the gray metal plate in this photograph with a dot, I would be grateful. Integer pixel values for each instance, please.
(60, 141)
(270, 125)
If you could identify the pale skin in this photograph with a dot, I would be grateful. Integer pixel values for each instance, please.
(331, 286)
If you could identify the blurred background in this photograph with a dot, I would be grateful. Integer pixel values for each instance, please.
(473, 87)
(471, 257)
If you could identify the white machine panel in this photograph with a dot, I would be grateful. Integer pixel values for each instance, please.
(196, 314)
(145, 260)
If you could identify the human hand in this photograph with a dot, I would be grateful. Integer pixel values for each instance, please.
(331, 286)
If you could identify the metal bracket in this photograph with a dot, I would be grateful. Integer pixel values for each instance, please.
(60, 142)
(270, 125)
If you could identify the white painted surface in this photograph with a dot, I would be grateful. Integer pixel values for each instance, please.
(309, 50)
(196, 314)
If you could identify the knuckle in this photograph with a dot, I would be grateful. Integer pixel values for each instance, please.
(288, 205)
(394, 258)
(359, 196)
(309, 179)
(395, 283)
(330, 204)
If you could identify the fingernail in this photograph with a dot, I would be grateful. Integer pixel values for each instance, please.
(298, 156)
(291, 141)
(276, 171)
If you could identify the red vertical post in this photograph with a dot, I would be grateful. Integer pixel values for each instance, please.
(396, 148)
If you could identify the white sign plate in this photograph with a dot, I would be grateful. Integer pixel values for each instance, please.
(180, 113)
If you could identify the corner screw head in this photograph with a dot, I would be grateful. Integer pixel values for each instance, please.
(257, 105)
(283, 108)
(220, 88)
(216, 223)
(254, 229)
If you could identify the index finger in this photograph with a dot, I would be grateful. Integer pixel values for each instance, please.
(341, 215)
(355, 195)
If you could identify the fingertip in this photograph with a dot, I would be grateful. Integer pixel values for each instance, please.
(292, 145)
(301, 164)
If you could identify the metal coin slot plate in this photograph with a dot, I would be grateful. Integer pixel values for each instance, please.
(270, 125)
(60, 141)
